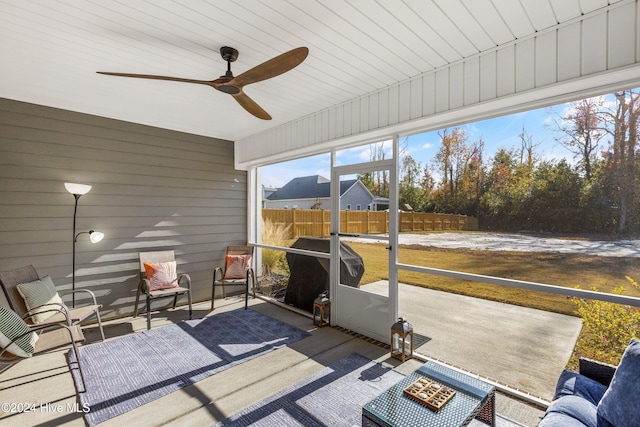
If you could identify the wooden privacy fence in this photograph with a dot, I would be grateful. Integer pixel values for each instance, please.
(316, 222)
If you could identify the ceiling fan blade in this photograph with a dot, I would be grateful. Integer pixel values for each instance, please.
(251, 106)
(273, 67)
(148, 76)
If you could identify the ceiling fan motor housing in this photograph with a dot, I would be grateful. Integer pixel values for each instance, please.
(229, 54)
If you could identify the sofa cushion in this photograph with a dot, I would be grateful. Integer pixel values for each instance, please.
(619, 405)
(574, 384)
(570, 411)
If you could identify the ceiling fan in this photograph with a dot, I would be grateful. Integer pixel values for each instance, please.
(234, 85)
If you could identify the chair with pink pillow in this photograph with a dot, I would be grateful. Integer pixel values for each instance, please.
(159, 279)
(237, 270)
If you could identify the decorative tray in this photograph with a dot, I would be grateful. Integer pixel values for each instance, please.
(430, 393)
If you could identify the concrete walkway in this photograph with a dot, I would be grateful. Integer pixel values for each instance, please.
(522, 347)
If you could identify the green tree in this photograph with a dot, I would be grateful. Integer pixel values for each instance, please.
(410, 191)
(554, 203)
(506, 193)
(462, 173)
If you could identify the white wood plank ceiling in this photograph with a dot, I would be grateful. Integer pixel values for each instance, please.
(51, 49)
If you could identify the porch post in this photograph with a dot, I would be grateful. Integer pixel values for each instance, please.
(393, 233)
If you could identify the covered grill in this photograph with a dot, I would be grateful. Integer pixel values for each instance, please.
(310, 275)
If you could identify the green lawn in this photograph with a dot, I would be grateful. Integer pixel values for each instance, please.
(565, 270)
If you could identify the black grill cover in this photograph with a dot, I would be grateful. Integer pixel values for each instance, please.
(310, 275)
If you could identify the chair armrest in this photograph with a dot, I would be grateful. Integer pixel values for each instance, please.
(69, 292)
(144, 286)
(598, 371)
(61, 308)
(39, 328)
(186, 276)
(217, 271)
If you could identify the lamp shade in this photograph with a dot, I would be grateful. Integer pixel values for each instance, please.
(79, 189)
(95, 236)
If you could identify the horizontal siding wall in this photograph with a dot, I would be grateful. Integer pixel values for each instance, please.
(531, 71)
(153, 189)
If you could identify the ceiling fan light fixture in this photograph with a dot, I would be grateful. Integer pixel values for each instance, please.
(231, 90)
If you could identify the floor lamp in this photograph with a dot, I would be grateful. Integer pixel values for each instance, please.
(95, 236)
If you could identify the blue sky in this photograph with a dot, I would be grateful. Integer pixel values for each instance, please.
(501, 132)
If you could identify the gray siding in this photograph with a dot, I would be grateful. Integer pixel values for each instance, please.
(153, 189)
(356, 195)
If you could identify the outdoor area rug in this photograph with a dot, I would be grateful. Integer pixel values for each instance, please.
(124, 373)
(333, 397)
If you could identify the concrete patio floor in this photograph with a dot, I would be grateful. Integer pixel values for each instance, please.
(523, 348)
(46, 382)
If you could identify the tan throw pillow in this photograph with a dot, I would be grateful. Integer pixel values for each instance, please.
(161, 275)
(40, 296)
(236, 266)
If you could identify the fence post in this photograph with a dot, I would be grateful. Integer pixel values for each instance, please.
(293, 224)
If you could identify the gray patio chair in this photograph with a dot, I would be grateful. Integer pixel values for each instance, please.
(232, 274)
(145, 285)
(9, 280)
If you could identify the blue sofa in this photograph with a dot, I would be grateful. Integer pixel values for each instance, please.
(600, 395)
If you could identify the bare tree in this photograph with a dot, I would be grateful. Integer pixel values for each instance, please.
(623, 127)
(582, 129)
(527, 149)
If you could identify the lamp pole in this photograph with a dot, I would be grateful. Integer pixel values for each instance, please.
(73, 267)
(77, 190)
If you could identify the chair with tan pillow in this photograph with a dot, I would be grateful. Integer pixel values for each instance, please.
(159, 279)
(237, 270)
(25, 291)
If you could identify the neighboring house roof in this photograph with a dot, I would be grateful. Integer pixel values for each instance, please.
(309, 187)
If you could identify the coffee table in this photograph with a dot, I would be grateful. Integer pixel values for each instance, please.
(474, 398)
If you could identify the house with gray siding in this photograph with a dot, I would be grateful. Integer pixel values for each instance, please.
(313, 192)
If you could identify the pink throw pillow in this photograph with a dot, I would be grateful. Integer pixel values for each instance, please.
(236, 266)
(161, 275)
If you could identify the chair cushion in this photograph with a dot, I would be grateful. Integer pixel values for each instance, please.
(236, 266)
(161, 275)
(574, 384)
(570, 411)
(619, 405)
(12, 326)
(38, 296)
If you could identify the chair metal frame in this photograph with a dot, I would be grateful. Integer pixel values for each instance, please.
(144, 285)
(9, 280)
(219, 272)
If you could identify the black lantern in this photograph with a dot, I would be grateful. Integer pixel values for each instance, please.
(322, 310)
(402, 340)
